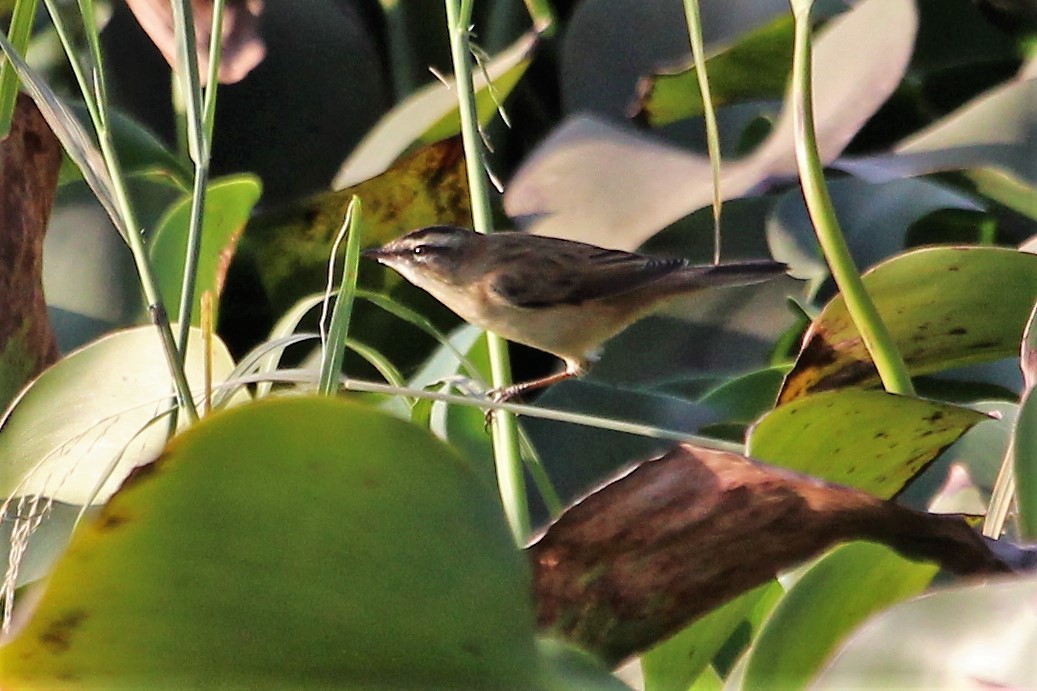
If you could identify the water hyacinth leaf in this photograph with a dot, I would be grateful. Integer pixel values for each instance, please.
(756, 66)
(623, 186)
(677, 662)
(870, 440)
(126, 602)
(430, 115)
(617, 574)
(994, 129)
(955, 638)
(94, 409)
(944, 307)
(831, 598)
(228, 205)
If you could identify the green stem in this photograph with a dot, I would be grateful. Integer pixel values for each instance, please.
(698, 52)
(198, 145)
(19, 34)
(865, 316)
(96, 99)
(506, 451)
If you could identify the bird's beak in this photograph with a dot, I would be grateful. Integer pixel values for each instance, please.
(376, 253)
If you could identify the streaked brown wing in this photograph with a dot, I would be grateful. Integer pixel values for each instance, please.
(571, 273)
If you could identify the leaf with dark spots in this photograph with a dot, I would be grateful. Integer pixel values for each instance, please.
(290, 248)
(56, 636)
(30, 158)
(665, 543)
(888, 439)
(980, 296)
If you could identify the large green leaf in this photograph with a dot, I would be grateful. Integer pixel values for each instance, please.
(295, 542)
(833, 595)
(963, 637)
(677, 662)
(228, 205)
(943, 306)
(430, 114)
(870, 440)
(83, 424)
(755, 67)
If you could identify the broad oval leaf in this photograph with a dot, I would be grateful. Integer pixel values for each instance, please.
(228, 205)
(834, 594)
(943, 306)
(97, 412)
(870, 440)
(351, 549)
(964, 637)
(430, 115)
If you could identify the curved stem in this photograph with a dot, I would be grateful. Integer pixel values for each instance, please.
(865, 316)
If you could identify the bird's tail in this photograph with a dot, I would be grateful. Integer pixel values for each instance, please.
(730, 274)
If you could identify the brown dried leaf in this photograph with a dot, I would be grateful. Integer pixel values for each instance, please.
(29, 161)
(675, 537)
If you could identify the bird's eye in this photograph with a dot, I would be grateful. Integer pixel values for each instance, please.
(420, 250)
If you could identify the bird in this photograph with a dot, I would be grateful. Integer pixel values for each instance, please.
(559, 296)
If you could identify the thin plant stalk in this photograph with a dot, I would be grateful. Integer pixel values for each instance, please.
(877, 339)
(506, 448)
(96, 99)
(698, 52)
(333, 345)
(19, 33)
(199, 114)
(1002, 499)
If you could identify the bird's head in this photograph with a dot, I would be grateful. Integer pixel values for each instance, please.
(438, 254)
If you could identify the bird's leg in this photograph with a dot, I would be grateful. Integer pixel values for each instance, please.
(573, 368)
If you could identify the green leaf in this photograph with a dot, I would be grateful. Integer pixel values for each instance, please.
(622, 186)
(756, 66)
(88, 416)
(956, 638)
(870, 440)
(228, 205)
(430, 115)
(677, 662)
(139, 151)
(746, 397)
(290, 248)
(944, 307)
(353, 550)
(833, 596)
(1024, 446)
